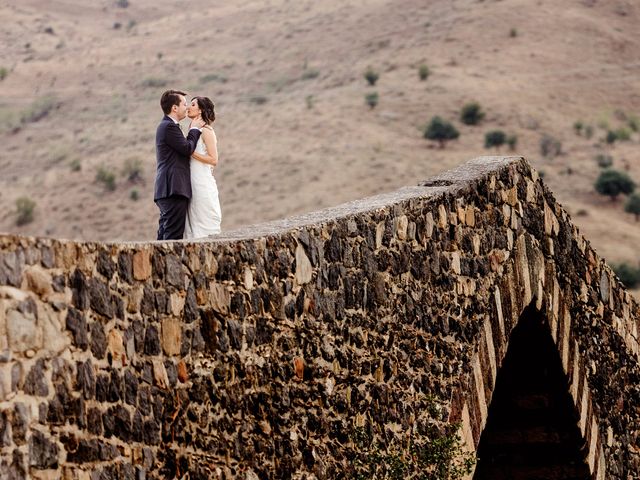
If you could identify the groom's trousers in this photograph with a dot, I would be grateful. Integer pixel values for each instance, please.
(173, 214)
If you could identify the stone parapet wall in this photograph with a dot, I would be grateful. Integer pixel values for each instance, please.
(257, 354)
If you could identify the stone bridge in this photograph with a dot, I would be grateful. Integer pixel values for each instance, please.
(352, 342)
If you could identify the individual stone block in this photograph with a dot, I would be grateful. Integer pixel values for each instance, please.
(38, 280)
(171, 336)
(43, 453)
(142, 264)
(22, 330)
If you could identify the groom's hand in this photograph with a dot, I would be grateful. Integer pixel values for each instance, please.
(197, 123)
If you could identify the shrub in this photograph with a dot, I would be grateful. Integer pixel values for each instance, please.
(153, 82)
(25, 208)
(423, 72)
(107, 178)
(628, 274)
(604, 161)
(588, 131)
(371, 76)
(550, 146)
(577, 126)
(494, 138)
(613, 183)
(3, 73)
(39, 109)
(471, 114)
(441, 131)
(439, 455)
(310, 74)
(259, 99)
(513, 33)
(134, 195)
(213, 77)
(634, 123)
(633, 205)
(611, 137)
(371, 99)
(623, 134)
(133, 170)
(75, 165)
(512, 141)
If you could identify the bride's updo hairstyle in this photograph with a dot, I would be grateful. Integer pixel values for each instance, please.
(207, 109)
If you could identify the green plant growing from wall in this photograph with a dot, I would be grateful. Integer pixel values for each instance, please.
(435, 455)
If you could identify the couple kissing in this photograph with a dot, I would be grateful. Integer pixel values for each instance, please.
(185, 189)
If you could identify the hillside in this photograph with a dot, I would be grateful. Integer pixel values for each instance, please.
(83, 82)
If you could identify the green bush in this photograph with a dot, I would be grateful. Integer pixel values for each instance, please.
(603, 160)
(578, 126)
(623, 134)
(588, 131)
(39, 109)
(628, 274)
(310, 74)
(134, 195)
(213, 77)
(423, 72)
(75, 165)
(471, 114)
(371, 76)
(634, 123)
(153, 82)
(613, 182)
(133, 170)
(107, 178)
(550, 146)
(371, 99)
(633, 205)
(512, 141)
(259, 99)
(25, 208)
(494, 138)
(441, 131)
(436, 456)
(513, 33)
(3, 73)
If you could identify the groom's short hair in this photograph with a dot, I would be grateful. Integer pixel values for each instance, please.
(169, 99)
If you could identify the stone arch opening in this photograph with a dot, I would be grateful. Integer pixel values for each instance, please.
(532, 427)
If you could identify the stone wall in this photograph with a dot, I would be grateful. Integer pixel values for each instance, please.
(257, 354)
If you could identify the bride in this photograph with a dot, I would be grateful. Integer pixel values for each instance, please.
(204, 214)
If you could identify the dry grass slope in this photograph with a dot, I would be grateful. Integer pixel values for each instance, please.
(82, 82)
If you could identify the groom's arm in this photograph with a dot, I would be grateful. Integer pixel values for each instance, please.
(175, 139)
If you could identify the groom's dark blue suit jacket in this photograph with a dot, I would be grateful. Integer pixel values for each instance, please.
(172, 153)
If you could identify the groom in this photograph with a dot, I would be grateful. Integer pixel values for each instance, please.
(173, 178)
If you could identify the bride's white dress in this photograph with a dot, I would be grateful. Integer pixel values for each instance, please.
(204, 215)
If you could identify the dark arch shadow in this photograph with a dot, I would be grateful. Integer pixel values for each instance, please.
(532, 428)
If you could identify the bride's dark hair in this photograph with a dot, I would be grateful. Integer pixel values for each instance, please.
(207, 109)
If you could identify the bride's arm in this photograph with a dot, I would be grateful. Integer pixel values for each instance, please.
(211, 143)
